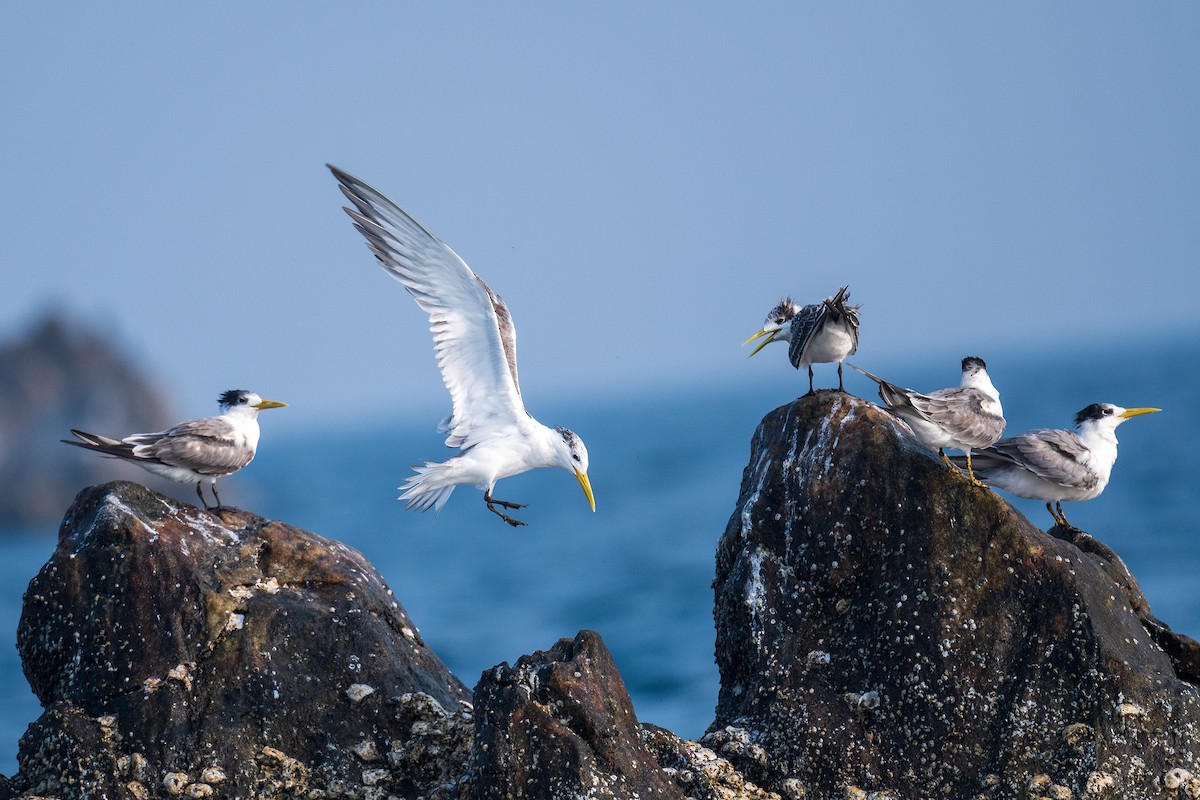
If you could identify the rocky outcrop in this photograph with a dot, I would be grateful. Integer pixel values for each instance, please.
(884, 630)
(56, 377)
(560, 724)
(181, 652)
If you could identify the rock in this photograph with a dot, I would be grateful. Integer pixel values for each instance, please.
(56, 377)
(126, 640)
(961, 652)
(560, 724)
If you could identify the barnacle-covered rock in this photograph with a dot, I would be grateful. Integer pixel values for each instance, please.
(124, 639)
(958, 640)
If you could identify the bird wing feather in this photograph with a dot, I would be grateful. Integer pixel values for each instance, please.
(473, 334)
(960, 410)
(1057, 456)
(804, 325)
(201, 445)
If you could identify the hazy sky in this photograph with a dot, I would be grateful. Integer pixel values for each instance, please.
(641, 181)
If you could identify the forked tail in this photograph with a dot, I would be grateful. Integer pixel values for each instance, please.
(429, 487)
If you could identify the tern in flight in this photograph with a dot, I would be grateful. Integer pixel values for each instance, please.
(476, 347)
(196, 451)
(820, 333)
(965, 418)
(1056, 465)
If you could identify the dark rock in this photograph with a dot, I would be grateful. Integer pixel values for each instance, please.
(884, 626)
(174, 647)
(60, 376)
(560, 724)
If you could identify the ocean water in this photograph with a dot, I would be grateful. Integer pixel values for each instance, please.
(666, 469)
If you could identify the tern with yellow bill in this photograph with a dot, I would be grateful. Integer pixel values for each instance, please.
(1056, 465)
(476, 347)
(195, 451)
(821, 333)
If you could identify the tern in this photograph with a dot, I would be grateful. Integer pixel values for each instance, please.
(476, 347)
(195, 451)
(821, 333)
(964, 418)
(1056, 465)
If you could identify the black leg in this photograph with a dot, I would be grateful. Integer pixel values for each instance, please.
(217, 496)
(200, 494)
(810, 379)
(841, 388)
(493, 502)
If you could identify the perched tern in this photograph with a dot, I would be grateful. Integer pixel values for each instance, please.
(1057, 465)
(195, 451)
(820, 333)
(964, 418)
(476, 347)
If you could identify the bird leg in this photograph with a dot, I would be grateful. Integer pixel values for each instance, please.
(215, 495)
(493, 502)
(971, 473)
(200, 494)
(810, 382)
(841, 388)
(946, 459)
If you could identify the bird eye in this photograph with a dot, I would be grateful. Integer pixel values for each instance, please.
(574, 456)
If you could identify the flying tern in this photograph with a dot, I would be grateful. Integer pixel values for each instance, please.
(964, 418)
(475, 343)
(195, 451)
(820, 333)
(1056, 465)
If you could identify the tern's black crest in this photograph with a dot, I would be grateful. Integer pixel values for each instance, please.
(973, 361)
(784, 311)
(234, 397)
(1094, 411)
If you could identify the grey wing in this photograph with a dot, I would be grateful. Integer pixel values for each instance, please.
(1057, 456)
(206, 446)
(804, 325)
(960, 411)
(508, 331)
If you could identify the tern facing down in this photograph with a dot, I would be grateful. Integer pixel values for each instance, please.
(1056, 465)
(820, 333)
(963, 418)
(476, 347)
(195, 451)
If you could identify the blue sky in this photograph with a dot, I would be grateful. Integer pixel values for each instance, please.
(640, 181)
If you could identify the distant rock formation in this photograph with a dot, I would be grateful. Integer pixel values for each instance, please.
(58, 376)
(885, 630)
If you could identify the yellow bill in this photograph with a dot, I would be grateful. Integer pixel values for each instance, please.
(1137, 412)
(269, 404)
(770, 338)
(587, 488)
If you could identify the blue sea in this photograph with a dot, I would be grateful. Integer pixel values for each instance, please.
(666, 467)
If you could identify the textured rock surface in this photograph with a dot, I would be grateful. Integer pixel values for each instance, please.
(174, 649)
(885, 627)
(560, 724)
(55, 377)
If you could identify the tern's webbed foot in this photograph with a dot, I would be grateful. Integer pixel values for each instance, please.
(493, 502)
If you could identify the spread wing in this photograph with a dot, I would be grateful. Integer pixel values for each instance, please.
(206, 446)
(961, 412)
(1057, 456)
(473, 334)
